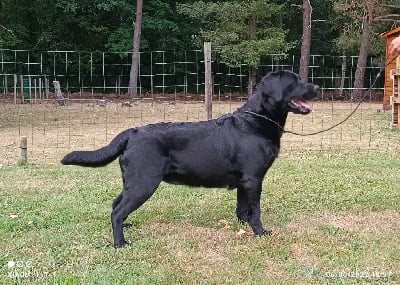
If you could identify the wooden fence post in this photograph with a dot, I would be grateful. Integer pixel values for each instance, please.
(34, 89)
(5, 85)
(21, 79)
(46, 84)
(208, 80)
(30, 89)
(24, 149)
(15, 88)
(60, 98)
(40, 90)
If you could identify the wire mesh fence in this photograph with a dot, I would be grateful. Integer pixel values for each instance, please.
(164, 73)
(171, 88)
(54, 130)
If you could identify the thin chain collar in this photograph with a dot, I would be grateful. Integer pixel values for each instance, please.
(266, 118)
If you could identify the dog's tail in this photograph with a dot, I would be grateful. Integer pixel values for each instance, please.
(100, 157)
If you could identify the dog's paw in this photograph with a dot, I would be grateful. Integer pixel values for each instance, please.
(267, 233)
(264, 233)
(242, 221)
(122, 244)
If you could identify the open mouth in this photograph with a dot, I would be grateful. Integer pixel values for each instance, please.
(300, 106)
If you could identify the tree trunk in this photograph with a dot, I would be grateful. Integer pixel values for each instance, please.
(306, 40)
(252, 81)
(252, 36)
(362, 58)
(132, 90)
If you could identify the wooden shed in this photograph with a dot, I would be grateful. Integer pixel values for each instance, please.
(388, 89)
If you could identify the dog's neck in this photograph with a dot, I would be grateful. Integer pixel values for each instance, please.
(273, 120)
(266, 118)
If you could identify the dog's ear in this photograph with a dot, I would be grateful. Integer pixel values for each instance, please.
(271, 87)
(268, 93)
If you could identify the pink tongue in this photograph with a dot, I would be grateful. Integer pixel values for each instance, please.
(304, 104)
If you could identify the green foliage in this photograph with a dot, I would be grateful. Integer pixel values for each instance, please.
(349, 17)
(121, 39)
(236, 27)
(160, 28)
(242, 31)
(88, 25)
(7, 38)
(250, 51)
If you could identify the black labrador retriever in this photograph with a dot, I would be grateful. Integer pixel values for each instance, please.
(233, 151)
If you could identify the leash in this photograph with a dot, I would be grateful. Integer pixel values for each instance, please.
(333, 126)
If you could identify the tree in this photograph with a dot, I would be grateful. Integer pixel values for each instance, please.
(162, 28)
(132, 91)
(362, 17)
(241, 31)
(306, 40)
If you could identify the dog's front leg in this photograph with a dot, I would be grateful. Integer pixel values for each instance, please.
(243, 211)
(252, 188)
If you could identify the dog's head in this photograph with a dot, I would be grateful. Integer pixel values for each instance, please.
(285, 90)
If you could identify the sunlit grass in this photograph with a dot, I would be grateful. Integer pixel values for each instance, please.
(335, 220)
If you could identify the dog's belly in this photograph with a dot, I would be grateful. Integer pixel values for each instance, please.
(229, 181)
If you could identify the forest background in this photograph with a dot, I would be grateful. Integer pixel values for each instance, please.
(242, 31)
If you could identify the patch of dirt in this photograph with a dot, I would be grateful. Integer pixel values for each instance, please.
(303, 255)
(205, 251)
(371, 223)
(272, 268)
(366, 224)
(196, 249)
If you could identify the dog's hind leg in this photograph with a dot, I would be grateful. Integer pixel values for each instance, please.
(115, 204)
(116, 201)
(139, 186)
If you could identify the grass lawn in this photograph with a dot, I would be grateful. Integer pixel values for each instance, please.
(335, 219)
